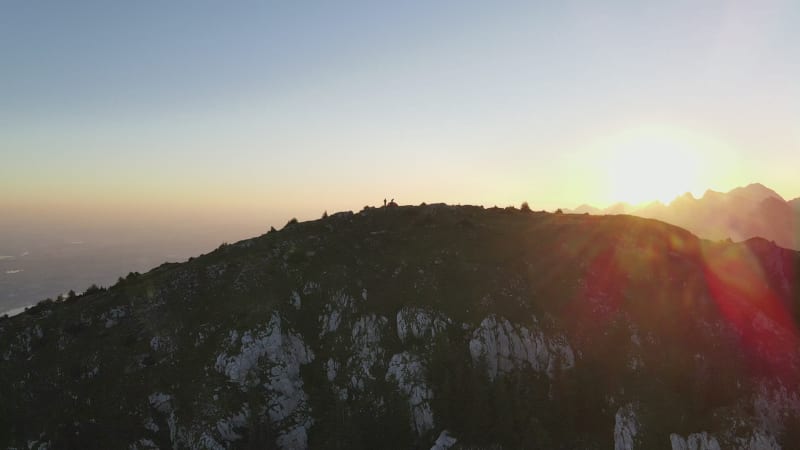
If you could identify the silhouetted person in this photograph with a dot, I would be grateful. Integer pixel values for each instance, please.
(384, 203)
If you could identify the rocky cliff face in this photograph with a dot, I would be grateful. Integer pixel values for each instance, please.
(422, 327)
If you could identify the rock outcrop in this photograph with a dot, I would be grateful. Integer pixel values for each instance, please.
(695, 441)
(408, 371)
(278, 356)
(504, 346)
(626, 427)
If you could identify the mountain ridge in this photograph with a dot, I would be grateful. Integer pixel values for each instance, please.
(407, 327)
(739, 214)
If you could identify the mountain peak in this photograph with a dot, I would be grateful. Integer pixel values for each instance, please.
(739, 214)
(687, 197)
(755, 192)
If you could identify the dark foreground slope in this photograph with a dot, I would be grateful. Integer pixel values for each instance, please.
(383, 329)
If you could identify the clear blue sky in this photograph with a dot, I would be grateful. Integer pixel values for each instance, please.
(265, 110)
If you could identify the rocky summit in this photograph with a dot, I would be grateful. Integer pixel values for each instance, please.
(433, 326)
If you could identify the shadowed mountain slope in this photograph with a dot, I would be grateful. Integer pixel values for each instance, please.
(413, 327)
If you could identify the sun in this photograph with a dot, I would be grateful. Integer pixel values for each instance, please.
(650, 164)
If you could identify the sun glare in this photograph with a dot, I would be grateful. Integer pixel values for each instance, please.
(649, 165)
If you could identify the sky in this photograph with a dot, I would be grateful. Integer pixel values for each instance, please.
(244, 114)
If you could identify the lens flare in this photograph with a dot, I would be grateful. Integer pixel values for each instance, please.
(668, 281)
(751, 304)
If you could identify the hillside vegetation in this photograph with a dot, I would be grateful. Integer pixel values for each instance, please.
(412, 327)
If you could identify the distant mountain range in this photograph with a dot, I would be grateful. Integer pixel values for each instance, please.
(740, 214)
